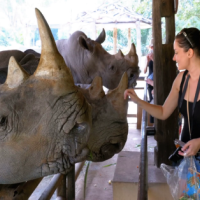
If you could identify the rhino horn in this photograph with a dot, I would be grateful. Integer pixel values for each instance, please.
(96, 90)
(101, 37)
(16, 74)
(52, 64)
(132, 55)
(116, 96)
(119, 55)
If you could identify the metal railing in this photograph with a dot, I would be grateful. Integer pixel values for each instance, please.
(143, 170)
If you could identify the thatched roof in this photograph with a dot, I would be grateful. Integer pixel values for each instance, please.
(113, 15)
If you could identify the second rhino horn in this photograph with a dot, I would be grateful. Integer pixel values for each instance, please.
(52, 64)
(119, 55)
(116, 96)
(16, 74)
(132, 56)
(96, 91)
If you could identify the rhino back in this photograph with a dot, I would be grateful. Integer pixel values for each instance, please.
(5, 56)
(4, 59)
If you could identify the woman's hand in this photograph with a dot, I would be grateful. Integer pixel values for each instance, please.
(190, 148)
(132, 94)
(148, 58)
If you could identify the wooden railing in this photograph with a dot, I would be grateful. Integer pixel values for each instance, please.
(65, 185)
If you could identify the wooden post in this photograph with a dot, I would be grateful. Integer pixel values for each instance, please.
(139, 46)
(71, 184)
(115, 40)
(129, 38)
(164, 75)
(139, 117)
(61, 191)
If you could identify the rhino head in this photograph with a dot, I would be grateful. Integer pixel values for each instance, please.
(109, 119)
(44, 120)
(109, 67)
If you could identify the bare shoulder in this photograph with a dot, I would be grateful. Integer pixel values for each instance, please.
(178, 79)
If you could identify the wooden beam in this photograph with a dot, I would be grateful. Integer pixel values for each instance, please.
(139, 46)
(164, 75)
(115, 40)
(111, 25)
(167, 8)
(170, 29)
(129, 38)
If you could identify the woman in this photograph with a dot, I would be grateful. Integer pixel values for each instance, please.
(187, 57)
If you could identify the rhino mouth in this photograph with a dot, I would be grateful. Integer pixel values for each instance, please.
(110, 149)
(107, 151)
(133, 76)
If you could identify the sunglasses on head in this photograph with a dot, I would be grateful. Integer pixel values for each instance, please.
(187, 38)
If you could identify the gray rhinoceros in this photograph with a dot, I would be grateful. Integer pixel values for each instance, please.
(45, 121)
(109, 119)
(87, 59)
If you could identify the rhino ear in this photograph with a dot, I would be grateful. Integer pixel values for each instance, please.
(116, 96)
(101, 37)
(85, 45)
(119, 55)
(132, 55)
(16, 74)
(52, 64)
(96, 90)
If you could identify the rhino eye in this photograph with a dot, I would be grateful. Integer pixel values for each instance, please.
(79, 128)
(112, 68)
(3, 121)
(131, 76)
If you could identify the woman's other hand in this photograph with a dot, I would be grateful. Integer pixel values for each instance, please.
(190, 148)
(149, 81)
(132, 94)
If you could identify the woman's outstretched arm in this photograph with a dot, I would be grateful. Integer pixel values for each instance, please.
(158, 111)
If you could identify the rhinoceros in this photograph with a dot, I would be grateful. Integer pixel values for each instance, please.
(109, 119)
(48, 123)
(45, 121)
(87, 59)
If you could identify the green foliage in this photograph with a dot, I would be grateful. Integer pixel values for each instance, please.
(189, 17)
(4, 38)
(144, 8)
(122, 37)
(11, 11)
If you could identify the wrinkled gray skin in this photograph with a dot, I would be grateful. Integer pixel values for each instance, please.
(108, 132)
(44, 120)
(87, 59)
(109, 119)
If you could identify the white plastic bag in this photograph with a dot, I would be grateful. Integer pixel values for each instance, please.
(184, 180)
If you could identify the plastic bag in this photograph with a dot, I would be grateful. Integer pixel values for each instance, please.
(184, 180)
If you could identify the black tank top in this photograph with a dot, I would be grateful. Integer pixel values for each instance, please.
(185, 136)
